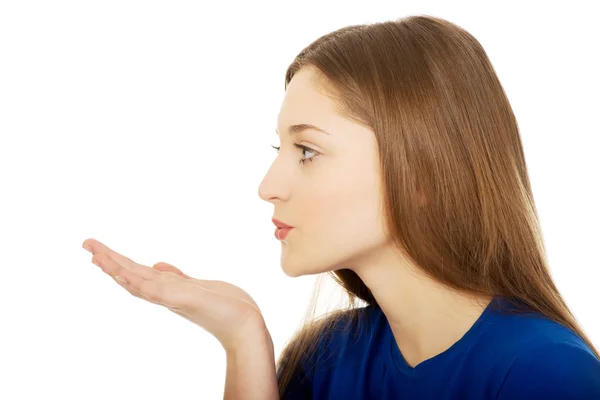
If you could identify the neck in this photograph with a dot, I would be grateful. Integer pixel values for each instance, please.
(425, 316)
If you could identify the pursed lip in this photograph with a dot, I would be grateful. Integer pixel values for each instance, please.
(280, 224)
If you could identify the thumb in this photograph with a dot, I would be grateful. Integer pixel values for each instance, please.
(166, 267)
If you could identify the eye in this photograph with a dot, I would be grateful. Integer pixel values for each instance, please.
(304, 149)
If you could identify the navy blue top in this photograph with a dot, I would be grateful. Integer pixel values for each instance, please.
(503, 356)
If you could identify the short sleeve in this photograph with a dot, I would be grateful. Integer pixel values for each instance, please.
(558, 371)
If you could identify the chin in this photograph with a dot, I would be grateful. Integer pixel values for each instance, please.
(293, 271)
(292, 274)
(296, 270)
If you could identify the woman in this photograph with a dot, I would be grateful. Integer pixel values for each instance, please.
(401, 173)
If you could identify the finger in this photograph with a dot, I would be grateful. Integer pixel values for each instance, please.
(181, 293)
(123, 283)
(97, 248)
(166, 267)
(108, 267)
(124, 277)
(211, 285)
(175, 292)
(114, 267)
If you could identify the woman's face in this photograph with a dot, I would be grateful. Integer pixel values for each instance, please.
(330, 193)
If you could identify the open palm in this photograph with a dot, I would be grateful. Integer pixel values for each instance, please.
(223, 309)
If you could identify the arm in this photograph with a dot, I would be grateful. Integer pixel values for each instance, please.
(557, 372)
(251, 369)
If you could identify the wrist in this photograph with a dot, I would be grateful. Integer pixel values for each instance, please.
(251, 372)
(254, 338)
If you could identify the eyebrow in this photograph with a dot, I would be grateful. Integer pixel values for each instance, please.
(294, 129)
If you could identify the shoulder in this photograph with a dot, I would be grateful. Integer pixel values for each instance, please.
(535, 357)
(553, 371)
(331, 332)
(343, 327)
(320, 351)
(511, 335)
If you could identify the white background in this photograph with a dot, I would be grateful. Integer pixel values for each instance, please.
(148, 126)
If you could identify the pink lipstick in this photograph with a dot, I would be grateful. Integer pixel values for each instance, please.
(282, 229)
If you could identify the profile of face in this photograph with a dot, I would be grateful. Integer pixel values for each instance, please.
(329, 191)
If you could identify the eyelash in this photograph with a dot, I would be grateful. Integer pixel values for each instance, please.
(303, 148)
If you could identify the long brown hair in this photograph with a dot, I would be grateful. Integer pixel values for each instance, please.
(446, 132)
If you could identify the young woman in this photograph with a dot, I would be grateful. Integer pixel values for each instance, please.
(402, 174)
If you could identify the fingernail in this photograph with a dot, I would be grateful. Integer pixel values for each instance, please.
(121, 279)
(87, 247)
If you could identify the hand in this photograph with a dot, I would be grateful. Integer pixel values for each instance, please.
(222, 309)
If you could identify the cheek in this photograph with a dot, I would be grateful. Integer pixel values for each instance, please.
(338, 224)
(344, 231)
(347, 213)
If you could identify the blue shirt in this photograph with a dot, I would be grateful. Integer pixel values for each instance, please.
(503, 356)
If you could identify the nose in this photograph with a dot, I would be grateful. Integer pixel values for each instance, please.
(274, 186)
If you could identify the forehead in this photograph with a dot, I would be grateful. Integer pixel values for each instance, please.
(305, 101)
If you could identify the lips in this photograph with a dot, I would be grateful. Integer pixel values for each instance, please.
(281, 233)
(280, 224)
(282, 229)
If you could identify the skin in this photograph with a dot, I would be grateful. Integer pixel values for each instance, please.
(333, 202)
(224, 310)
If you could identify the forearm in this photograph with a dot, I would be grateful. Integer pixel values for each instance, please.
(251, 370)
